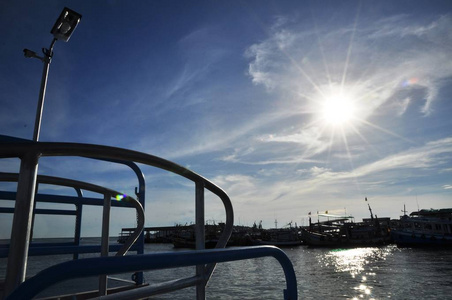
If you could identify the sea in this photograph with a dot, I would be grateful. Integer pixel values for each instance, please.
(386, 272)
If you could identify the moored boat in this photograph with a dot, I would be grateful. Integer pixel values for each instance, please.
(427, 227)
(284, 237)
(342, 231)
(326, 233)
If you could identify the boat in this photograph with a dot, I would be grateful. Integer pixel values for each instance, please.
(342, 231)
(329, 233)
(426, 227)
(186, 238)
(282, 237)
(241, 236)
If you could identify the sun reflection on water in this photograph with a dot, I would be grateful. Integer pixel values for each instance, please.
(350, 260)
(360, 263)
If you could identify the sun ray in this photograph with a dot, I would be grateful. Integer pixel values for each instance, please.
(322, 52)
(387, 131)
(330, 148)
(347, 148)
(301, 70)
(350, 46)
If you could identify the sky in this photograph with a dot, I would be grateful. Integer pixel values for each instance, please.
(292, 107)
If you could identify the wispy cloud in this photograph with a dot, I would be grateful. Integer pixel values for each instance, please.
(417, 162)
(294, 71)
(392, 65)
(421, 159)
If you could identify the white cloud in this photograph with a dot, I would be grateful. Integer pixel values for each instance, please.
(309, 138)
(421, 158)
(236, 184)
(389, 58)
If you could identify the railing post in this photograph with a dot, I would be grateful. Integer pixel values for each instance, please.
(140, 193)
(22, 222)
(78, 222)
(200, 238)
(104, 243)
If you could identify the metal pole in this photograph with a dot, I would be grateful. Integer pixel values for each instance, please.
(104, 243)
(22, 221)
(42, 93)
(200, 239)
(78, 222)
(25, 198)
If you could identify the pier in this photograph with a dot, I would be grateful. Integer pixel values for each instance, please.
(159, 234)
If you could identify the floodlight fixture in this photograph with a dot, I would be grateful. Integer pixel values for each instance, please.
(31, 54)
(65, 25)
(62, 30)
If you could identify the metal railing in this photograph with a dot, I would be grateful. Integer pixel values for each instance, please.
(79, 202)
(112, 265)
(30, 153)
(204, 260)
(75, 248)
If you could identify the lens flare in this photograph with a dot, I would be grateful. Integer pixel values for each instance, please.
(409, 82)
(120, 197)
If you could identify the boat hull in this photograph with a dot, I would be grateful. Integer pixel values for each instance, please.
(418, 239)
(316, 239)
(424, 228)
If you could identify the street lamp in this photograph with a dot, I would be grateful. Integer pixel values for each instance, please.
(65, 25)
(26, 184)
(62, 30)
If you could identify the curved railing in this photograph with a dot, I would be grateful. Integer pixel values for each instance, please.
(30, 152)
(107, 193)
(22, 149)
(112, 265)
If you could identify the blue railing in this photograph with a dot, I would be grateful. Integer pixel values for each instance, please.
(72, 247)
(204, 260)
(114, 265)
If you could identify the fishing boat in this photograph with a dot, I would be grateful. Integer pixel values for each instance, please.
(187, 239)
(426, 227)
(327, 233)
(342, 231)
(242, 236)
(282, 237)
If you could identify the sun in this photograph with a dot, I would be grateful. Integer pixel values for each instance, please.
(338, 110)
(337, 106)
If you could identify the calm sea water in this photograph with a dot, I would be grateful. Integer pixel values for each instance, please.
(362, 273)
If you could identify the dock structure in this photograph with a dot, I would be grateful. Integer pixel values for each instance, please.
(159, 234)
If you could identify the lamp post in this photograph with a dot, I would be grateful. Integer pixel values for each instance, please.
(26, 185)
(62, 30)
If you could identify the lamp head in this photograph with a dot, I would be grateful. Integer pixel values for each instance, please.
(29, 53)
(65, 25)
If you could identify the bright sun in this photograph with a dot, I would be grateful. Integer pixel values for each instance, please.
(338, 110)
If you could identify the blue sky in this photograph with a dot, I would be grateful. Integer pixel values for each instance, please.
(290, 106)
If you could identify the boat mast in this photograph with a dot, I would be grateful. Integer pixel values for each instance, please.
(370, 209)
(404, 210)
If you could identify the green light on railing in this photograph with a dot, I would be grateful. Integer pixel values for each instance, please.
(120, 197)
